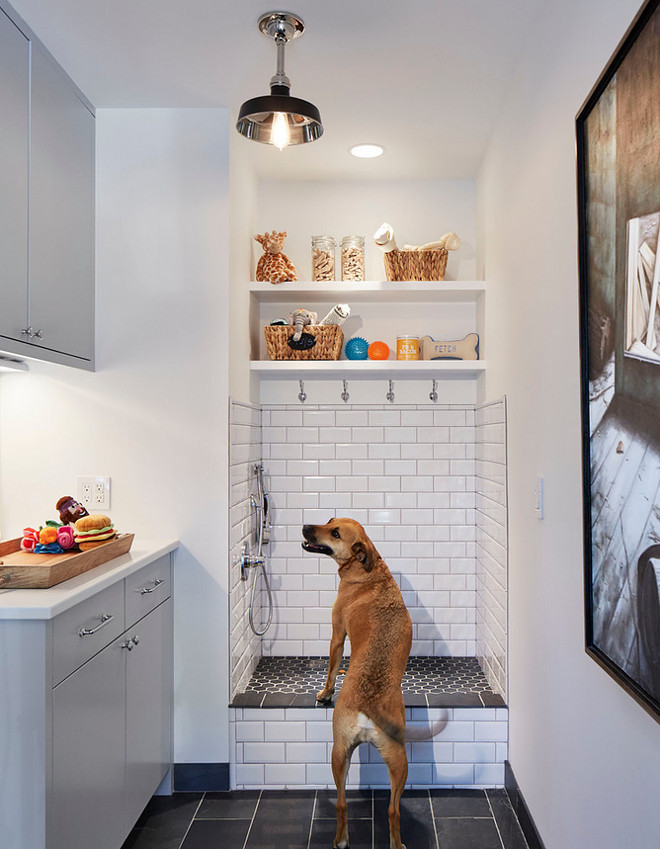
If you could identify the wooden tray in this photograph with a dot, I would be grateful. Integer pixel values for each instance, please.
(22, 570)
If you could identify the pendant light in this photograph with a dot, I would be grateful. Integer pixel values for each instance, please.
(278, 118)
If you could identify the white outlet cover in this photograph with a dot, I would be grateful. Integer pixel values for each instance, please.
(93, 491)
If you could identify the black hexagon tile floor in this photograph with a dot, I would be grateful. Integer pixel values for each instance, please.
(427, 682)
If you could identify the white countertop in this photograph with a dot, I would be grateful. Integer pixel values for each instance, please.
(45, 604)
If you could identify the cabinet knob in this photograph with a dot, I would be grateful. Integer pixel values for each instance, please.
(31, 334)
(39, 334)
(128, 645)
(136, 639)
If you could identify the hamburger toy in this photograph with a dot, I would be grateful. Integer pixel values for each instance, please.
(94, 530)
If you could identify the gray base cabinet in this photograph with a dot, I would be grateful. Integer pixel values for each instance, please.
(89, 703)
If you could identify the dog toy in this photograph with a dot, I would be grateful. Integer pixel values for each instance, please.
(30, 539)
(378, 351)
(65, 537)
(337, 315)
(70, 510)
(384, 238)
(356, 348)
(274, 266)
(461, 349)
(299, 319)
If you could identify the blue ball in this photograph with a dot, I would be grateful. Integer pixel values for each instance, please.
(356, 348)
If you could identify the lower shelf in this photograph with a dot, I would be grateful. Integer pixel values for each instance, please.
(440, 369)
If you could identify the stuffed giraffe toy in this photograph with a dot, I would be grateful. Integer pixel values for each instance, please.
(274, 265)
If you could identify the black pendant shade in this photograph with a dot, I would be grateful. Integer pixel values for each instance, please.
(277, 118)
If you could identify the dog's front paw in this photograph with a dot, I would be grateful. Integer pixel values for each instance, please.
(324, 695)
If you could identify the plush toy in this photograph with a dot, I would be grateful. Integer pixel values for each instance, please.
(274, 266)
(299, 319)
(70, 510)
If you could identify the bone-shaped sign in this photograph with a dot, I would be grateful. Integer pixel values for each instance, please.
(462, 349)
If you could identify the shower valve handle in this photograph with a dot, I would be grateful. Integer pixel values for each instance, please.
(248, 560)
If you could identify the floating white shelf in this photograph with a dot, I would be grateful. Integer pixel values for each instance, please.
(378, 291)
(441, 369)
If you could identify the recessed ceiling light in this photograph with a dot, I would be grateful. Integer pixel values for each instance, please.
(367, 151)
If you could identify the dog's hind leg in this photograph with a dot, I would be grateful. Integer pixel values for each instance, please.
(341, 760)
(394, 755)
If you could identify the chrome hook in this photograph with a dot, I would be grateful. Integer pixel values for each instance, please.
(302, 397)
(344, 395)
(433, 395)
(390, 394)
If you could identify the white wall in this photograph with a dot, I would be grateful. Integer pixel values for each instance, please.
(585, 754)
(154, 415)
(419, 211)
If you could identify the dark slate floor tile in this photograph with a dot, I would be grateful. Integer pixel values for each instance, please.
(278, 700)
(282, 820)
(414, 699)
(209, 834)
(248, 699)
(323, 833)
(359, 804)
(307, 700)
(163, 822)
(467, 833)
(493, 700)
(232, 805)
(460, 803)
(454, 700)
(507, 822)
(416, 819)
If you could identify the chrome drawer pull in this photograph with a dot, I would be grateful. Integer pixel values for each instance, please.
(157, 583)
(104, 617)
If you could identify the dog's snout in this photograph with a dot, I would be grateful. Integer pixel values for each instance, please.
(308, 531)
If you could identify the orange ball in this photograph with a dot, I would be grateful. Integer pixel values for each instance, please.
(378, 351)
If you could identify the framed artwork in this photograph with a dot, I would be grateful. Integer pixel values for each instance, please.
(618, 164)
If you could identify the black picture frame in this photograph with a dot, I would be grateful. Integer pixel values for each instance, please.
(618, 181)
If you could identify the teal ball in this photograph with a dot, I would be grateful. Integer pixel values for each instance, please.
(356, 348)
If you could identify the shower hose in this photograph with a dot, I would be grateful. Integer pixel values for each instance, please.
(261, 506)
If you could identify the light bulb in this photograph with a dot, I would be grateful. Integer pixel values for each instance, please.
(279, 135)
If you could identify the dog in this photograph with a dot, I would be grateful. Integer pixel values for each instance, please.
(369, 709)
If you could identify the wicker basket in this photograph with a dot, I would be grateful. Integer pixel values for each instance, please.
(329, 339)
(416, 265)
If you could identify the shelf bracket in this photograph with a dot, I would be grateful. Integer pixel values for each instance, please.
(302, 397)
(344, 395)
(433, 395)
(390, 392)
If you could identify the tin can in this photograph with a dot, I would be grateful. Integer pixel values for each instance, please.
(407, 347)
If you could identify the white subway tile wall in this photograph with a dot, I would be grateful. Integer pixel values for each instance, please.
(244, 452)
(408, 475)
(491, 542)
(290, 747)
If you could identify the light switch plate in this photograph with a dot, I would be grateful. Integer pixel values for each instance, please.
(93, 492)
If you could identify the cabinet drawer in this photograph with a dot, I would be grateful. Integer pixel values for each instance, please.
(147, 588)
(81, 632)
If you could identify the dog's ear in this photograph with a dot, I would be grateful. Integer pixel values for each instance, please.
(363, 555)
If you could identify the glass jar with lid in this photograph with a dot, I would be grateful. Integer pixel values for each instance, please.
(352, 258)
(323, 258)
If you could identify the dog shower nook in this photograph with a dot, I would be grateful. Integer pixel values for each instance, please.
(428, 482)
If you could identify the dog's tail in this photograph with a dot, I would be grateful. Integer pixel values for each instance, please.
(411, 734)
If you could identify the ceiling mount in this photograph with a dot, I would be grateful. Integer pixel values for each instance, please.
(281, 25)
(278, 118)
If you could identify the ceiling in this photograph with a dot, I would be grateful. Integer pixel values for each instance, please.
(423, 78)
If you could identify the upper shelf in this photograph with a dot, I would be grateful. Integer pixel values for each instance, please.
(458, 369)
(370, 291)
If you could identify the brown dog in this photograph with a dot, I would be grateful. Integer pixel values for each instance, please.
(369, 709)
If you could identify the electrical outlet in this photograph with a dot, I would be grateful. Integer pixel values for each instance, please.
(93, 492)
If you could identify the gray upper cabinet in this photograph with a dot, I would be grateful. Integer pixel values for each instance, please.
(14, 112)
(61, 213)
(46, 205)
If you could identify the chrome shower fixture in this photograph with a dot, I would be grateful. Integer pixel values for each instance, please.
(278, 118)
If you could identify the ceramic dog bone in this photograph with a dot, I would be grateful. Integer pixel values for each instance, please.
(462, 349)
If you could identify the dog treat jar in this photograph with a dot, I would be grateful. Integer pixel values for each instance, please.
(323, 258)
(407, 347)
(352, 258)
